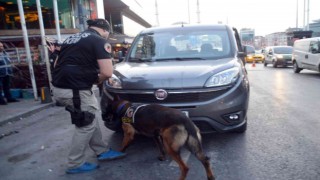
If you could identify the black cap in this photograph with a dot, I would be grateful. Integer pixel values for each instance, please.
(100, 23)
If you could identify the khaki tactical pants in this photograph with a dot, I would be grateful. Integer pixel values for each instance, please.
(89, 135)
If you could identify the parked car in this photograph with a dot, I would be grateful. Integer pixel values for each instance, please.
(252, 55)
(197, 69)
(278, 56)
(306, 54)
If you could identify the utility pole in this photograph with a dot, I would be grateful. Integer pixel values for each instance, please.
(56, 19)
(189, 10)
(198, 11)
(308, 10)
(297, 15)
(27, 46)
(157, 14)
(81, 16)
(304, 14)
(43, 40)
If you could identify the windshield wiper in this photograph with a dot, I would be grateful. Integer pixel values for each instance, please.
(141, 59)
(181, 58)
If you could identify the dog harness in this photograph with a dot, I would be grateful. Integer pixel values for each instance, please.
(130, 113)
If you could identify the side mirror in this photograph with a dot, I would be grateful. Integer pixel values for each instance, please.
(242, 54)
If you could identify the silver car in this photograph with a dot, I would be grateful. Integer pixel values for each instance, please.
(278, 56)
(197, 69)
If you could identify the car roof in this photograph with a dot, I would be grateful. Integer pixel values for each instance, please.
(184, 26)
(310, 39)
(279, 46)
(249, 46)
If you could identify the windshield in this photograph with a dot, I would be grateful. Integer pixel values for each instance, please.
(250, 50)
(182, 45)
(283, 50)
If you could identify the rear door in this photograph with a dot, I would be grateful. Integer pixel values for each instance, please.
(304, 54)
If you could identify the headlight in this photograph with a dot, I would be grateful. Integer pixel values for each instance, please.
(223, 78)
(114, 82)
(250, 57)
(279, 56)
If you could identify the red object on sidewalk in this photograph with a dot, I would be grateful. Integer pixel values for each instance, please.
(254, 64)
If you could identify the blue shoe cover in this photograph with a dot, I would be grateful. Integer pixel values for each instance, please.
(86, 167)
(110, 155)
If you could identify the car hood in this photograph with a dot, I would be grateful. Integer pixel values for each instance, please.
(170, 74)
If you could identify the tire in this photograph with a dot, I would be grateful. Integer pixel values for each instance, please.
(296, 68)
(274, 64)
(265, 64)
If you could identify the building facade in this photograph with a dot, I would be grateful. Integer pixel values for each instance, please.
(315, 28)
(247, 36)
(276, 39)
(125, 20)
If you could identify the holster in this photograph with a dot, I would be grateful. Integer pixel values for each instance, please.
(78, 117)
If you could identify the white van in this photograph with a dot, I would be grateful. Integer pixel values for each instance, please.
(306, 54)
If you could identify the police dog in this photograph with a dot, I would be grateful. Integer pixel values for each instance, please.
(170, 128)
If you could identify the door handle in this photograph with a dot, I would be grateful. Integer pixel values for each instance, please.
(306, 56)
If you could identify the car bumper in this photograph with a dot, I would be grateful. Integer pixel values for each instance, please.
(256, 59)
(210, 114)
(213, 115)
(284, 62)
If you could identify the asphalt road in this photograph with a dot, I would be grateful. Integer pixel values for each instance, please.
(282, 140)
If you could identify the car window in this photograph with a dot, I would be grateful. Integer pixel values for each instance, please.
(282, 50)
(314, 47)
(188, 44)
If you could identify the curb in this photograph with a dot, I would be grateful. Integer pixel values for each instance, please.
(19, 116)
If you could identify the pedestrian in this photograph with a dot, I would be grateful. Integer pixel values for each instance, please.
(84, 61)
(124, 48)
(5, 77)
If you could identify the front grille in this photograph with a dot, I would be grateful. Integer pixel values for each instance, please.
(173, 98)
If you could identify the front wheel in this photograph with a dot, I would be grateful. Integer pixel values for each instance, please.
(274, 64)
(265, 64)
(296, 68)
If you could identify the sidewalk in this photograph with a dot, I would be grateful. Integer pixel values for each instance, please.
(26, 107)
(18, 110)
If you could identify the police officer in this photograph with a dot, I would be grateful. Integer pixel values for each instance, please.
(84, 61)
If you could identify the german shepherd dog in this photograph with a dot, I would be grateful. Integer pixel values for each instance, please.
(170, 128)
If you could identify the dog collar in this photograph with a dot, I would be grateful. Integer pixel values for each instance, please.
(120, 107)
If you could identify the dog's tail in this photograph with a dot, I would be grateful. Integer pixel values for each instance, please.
(194, 138)
(195, 146)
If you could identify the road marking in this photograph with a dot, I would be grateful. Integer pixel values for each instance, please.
(185, 156)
